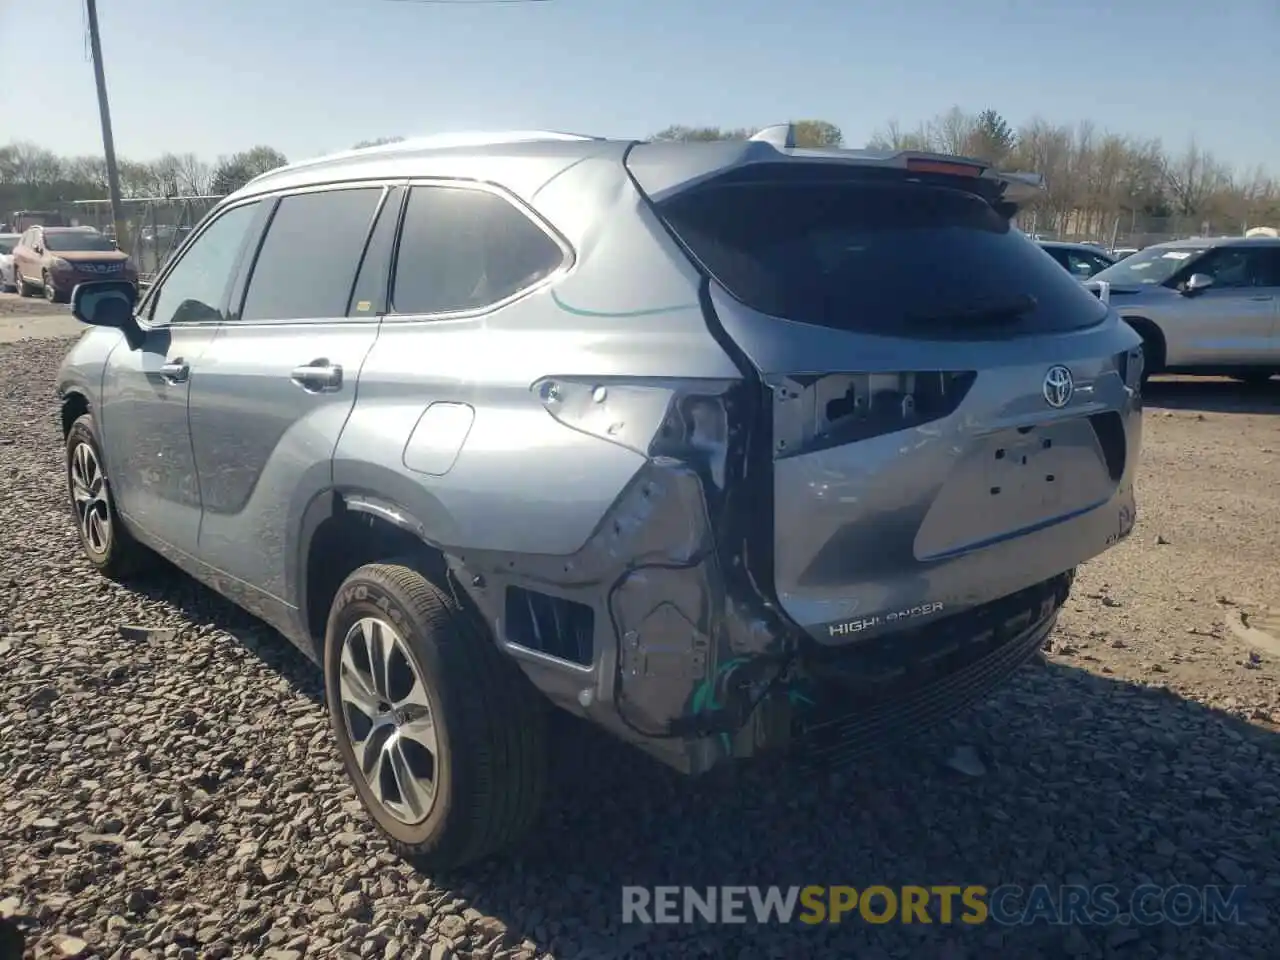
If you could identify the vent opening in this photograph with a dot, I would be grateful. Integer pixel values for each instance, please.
(551, 625)
(1109, 429)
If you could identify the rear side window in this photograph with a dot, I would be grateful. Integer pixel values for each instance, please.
(467, 249)
(887, 257)
(308, 261)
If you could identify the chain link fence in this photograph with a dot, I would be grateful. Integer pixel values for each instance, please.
(154, 226)
(1128, 230)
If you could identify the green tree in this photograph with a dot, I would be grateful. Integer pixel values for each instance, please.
(991, 138)
(232, 173)
(817, 133)
(687, 134)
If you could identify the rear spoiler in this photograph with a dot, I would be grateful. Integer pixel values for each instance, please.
(1019, 188)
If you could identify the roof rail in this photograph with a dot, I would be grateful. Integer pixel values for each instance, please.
(439, 141)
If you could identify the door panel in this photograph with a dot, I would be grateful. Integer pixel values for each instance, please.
(145, 390)
(276, 387)
(264, 434)
(1230, 323)
(144, 425)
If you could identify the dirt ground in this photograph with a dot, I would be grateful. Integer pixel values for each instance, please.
(1160, 609)
(173, 792)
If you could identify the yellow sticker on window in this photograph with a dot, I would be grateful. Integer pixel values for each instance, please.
(363, 305)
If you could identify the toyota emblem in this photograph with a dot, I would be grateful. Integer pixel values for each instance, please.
(1058, 386)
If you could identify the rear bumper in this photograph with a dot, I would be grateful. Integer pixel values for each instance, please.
(867, 698)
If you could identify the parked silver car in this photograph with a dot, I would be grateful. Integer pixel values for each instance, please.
(731, 448)
(1203, 306)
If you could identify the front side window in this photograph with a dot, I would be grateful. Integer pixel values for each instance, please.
(466, 249)
(195, 288)
(1234, 267)
(308, 261)
(7, 244)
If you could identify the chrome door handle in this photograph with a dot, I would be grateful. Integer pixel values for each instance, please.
(318, 375)
(1262, 297)
(175, 371)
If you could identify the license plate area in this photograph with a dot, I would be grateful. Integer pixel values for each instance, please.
(1016, 480)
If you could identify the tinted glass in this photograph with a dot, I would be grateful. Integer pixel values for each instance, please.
(308, 261)
(883, 256)
(463, 249)
(1237, 267)
(370, 297)
(77, 241)
(1084, 265)
(7, 244)
(195, 288)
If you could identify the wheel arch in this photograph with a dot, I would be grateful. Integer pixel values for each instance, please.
(75, 404)
(1150, 331)
(342, 531)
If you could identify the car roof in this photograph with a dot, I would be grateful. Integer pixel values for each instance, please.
(1070, 245)
(1203, 243)
(667, 165)
(69, 229)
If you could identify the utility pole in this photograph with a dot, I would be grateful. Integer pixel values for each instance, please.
(108, 142)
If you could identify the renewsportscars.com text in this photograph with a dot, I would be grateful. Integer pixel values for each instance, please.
(971, 904)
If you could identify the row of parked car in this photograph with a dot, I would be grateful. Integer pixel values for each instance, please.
(1202, 305)
(52, 260)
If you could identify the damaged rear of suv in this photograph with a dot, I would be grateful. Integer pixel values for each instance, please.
(735, 449)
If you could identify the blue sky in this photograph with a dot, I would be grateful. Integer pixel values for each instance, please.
(309, 76)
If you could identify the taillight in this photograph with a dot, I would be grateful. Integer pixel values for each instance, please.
(945, 167)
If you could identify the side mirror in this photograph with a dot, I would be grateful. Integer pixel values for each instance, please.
(1196, 283)
(105, 303)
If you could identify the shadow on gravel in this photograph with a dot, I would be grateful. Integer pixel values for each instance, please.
(1087, 781)
(1213, 396)
(203, 608)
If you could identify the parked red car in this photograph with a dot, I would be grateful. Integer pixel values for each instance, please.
(55, 259)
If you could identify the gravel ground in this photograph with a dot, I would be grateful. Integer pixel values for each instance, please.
(176, 794)
(12, 305)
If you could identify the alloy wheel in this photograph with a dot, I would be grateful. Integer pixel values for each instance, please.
(89, 494)
(50, 292)
(390, 719)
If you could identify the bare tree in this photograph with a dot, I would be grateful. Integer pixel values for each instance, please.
(1192, 178)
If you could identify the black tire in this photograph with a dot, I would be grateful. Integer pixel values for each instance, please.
(23, 289)
(490, 723)
(50, 291)
(121, 556)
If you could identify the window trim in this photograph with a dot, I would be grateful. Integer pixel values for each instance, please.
(568, 256)
(142, 312)
(244, 277)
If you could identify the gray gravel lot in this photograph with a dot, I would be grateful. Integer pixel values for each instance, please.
(175, 794)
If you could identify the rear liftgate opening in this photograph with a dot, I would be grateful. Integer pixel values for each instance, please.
(838, 252)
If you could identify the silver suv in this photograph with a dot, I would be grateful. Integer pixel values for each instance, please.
(1203, 306)
(731, 448)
